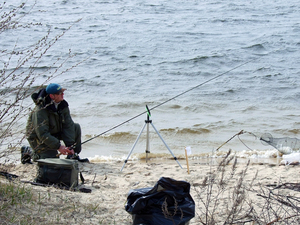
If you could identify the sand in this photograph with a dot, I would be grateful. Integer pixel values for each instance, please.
(110, 187)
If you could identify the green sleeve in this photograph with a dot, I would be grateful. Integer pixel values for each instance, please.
(40, 121)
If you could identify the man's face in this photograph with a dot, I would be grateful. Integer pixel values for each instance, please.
(57, 97)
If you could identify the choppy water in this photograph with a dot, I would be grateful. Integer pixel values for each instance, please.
(146, 52)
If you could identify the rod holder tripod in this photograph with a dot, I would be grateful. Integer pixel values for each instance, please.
(147, 122)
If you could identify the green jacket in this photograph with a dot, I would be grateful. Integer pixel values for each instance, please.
(47, 125)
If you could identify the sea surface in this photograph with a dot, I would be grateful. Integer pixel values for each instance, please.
(207, 70)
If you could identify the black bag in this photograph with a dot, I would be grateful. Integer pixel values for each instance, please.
(167, 203)
(62, 172)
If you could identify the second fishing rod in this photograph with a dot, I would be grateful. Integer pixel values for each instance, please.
(170, 99)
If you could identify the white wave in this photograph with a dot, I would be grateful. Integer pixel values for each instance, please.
(110, 158)
(272, 153)
(293, 158)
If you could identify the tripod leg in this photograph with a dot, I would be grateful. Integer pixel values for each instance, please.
(147, 143)
(133, 147)
(166, 145)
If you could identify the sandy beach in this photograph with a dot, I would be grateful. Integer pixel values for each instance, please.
(220, 186)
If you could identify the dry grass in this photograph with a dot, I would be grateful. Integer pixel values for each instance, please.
(24, 205)
(227, 197)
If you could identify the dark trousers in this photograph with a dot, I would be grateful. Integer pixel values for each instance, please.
(41, 151)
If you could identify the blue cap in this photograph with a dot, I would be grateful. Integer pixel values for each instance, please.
(54, 88)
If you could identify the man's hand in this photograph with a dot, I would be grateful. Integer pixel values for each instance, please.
(65, 150)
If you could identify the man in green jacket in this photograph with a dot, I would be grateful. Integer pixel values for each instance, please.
(49, 123)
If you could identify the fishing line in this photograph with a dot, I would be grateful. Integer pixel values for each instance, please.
(176, 96)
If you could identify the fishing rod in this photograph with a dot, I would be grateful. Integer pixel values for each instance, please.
(176, 96)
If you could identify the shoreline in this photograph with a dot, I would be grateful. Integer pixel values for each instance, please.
(208, 160)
